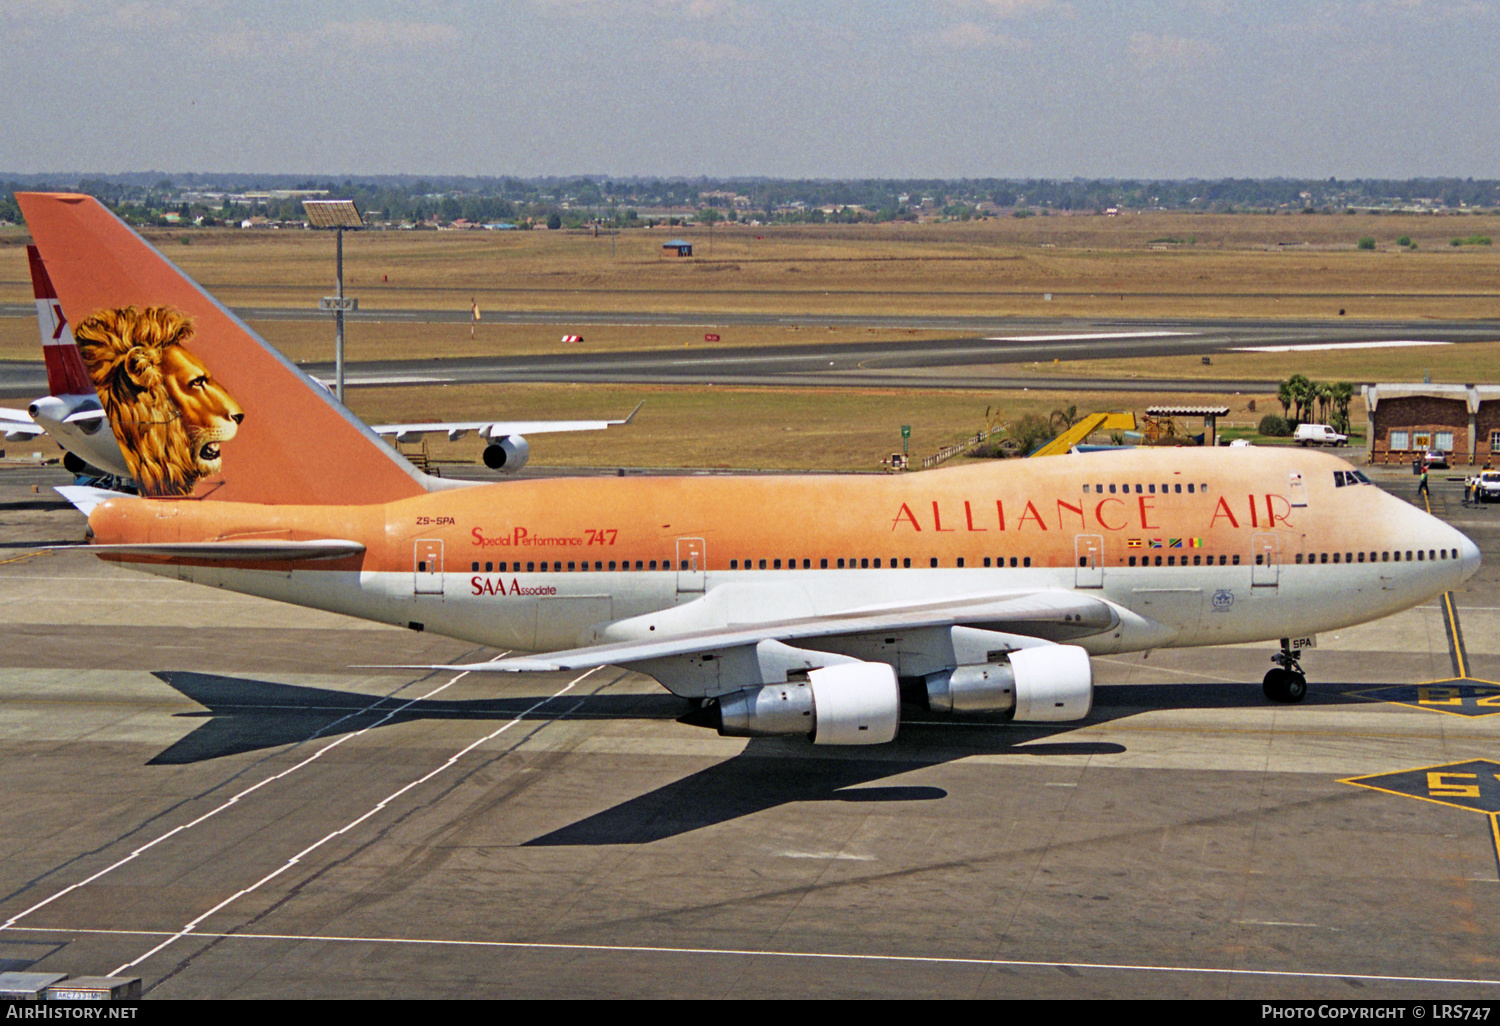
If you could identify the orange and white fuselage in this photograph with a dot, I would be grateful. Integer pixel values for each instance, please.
(1191, 547)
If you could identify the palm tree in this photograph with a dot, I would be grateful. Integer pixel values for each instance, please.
(1064, 418)
(1343, 394)
(1285, 396)
(1300, 386)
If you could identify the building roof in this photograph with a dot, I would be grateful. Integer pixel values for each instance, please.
(1472, 395)
(1187, 411)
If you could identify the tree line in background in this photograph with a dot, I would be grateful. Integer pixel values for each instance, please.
(1328, 402)
(412, 199)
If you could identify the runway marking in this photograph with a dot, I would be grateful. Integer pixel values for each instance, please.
(234, 800)
(827, 855)
(654, 949)
(452, 760)
(1089, 336)
(20, 559)
(396, 379)
(1311, 346)
(1454, 696)
(1473, 786)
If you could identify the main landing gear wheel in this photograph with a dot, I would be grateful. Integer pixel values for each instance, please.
(1285, 686)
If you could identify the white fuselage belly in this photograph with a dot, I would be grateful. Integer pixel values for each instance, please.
(1158, 606)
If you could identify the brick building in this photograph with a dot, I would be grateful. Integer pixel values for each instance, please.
(1407, 420)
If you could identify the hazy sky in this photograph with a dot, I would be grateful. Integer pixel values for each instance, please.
(877, 88)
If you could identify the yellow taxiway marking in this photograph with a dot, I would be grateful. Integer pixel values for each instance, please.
(1472, 786)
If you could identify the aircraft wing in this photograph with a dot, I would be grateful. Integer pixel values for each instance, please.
(501, 428)
(1014, 613)
(18, 425)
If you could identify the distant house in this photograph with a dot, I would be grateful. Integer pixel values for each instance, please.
(683, 248)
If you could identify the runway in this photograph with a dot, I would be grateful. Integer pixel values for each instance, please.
(988, 354)
(202, 792)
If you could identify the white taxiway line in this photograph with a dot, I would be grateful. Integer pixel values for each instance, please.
(1089, 336)
(654, 949)
(182, 828)
(396, 379)
(1308, 347)
(377, 807)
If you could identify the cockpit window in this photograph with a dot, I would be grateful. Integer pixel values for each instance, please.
(1349, 477)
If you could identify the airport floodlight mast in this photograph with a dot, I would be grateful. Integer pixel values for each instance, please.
(337, 215)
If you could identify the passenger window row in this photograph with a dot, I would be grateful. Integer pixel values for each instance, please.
(867, 563)
(1148, 489)
(1198, 560)
(1420, 555)
(573, 565)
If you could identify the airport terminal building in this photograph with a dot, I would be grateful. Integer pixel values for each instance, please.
(1407, 420)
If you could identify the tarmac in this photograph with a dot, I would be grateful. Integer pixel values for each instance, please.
(203, 791)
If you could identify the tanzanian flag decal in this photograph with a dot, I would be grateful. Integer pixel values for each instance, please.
(1174, 543)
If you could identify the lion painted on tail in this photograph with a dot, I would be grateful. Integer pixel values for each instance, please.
(167, 411)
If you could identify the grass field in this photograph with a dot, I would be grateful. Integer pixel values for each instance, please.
(1470, 362)
(740, 428)
(312, 341)
(1138, 265)
(1141, 265)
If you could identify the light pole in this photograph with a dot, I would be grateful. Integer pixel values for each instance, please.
(337, 215)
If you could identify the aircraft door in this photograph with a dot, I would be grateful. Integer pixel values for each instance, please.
(691, 560)
(1295, 490)
(1090, 565)
(1263, 561)
(427, 566)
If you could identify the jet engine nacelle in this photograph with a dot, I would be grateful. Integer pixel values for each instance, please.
(508, 454)
(76, 413)
(1045, 684)
(848, 704)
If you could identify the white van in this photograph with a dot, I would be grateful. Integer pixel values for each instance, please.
(1319, 434)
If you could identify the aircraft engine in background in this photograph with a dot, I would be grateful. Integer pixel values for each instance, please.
(508, 454)
(69, 413)
(1046, 684)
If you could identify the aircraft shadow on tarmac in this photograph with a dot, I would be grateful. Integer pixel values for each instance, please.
(243, 715)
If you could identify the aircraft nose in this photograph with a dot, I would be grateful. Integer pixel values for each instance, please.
(1468, 554)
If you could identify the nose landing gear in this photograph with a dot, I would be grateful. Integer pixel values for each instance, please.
(1286, 683)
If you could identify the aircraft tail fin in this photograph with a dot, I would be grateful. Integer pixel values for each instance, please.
(202, 405)
(66, 374)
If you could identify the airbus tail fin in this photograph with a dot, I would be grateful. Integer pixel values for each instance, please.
(66, 374)
(202, 405)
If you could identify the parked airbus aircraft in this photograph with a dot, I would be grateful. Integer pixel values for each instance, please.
(792, 605)
(72, 414)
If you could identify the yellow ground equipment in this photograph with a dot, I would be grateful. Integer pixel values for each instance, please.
(1087, 426)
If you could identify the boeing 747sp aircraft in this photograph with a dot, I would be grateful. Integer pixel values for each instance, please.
(791, 605)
